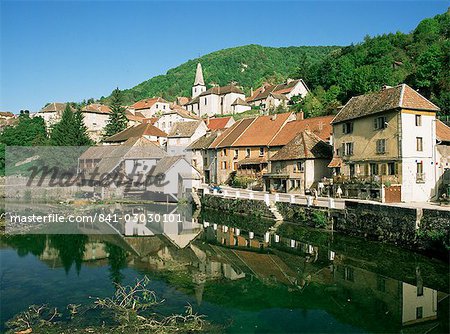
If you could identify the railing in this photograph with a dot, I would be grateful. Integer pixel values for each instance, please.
(322, 202)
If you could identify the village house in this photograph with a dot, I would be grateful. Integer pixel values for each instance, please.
(150, 107)
(269, 97)
(95, 117)
(134, 160)
(300, 164)
(183, 134)
(214, 101)
(144, 130)
(201, 157)
(239, 106)
(385, 146)
(175, 115)
(248, 145)
(443, 158)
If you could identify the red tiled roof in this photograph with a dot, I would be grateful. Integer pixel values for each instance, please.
(147, 103)
(218, 123)
(262, 130)
(320, 126)
(442, 131)
(228, 137)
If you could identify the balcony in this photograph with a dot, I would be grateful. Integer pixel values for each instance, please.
(420, 178)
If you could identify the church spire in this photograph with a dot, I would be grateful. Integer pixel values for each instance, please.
(199, 76)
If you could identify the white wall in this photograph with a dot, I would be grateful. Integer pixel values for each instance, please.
(413, 191)
(428, 302)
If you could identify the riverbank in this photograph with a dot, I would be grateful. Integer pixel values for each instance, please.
(416, 229)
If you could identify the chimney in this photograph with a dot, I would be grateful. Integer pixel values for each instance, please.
(274, 117)
(289, 80)
(300, 115)
(384, 87)
(251, 91)
(207, 121)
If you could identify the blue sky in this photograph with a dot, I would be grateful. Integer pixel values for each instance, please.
(68, 51)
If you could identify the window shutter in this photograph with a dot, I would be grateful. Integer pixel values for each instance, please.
(383, 169)
(375, 123)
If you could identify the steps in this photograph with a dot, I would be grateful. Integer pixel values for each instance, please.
(278, 217)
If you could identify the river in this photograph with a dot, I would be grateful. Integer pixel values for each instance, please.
(304, 281)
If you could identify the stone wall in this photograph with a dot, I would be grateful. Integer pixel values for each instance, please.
(241, 206)
(395, 225)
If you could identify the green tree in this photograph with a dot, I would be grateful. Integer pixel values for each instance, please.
(117, 119)
(64, 133)
(82, 137)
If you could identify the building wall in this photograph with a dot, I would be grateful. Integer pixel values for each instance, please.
(299, 89)
(166, 121)
(237, 109)
(228, 99)
(154, 109)
(197, 90)
(412, 301)
(414, 188)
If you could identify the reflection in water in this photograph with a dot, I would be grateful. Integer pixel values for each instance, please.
(225, 267)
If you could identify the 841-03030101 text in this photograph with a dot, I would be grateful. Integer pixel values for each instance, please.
(96, 217)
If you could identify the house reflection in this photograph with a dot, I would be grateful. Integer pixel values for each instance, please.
(345, 285)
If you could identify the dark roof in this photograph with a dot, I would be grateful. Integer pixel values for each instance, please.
(306, 145)
(184, 129)
(145, 129)
(222, 90)
(282, 88)
(165, 163)
(111, 156)
(6, 114)
(203, 142)
(401, 96)
(55, 107)
(240, 102)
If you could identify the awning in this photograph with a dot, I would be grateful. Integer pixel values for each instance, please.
(252, 161)
(336, 162)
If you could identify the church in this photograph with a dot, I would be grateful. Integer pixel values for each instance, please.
(216, 100)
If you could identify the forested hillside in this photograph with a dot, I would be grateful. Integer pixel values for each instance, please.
(334, 74)
(420, 59)
(248, 66)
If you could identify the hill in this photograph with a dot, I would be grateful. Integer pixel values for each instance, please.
(421, 59)
(248, 66)
(334, 74)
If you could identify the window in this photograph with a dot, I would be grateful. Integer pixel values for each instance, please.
(348, 148)
(157, 106)
(349, 274)
(381, 284)
(352, 170)
(418, 120)
(419, 312)
(420, 174)
(391, 168)
(236, 154)
(419, 290)
(347, 127)
(300, 167)
(247, 153)
(381, 146)
(206, 101)
(338, 152)
(419, 144)
(261, 151)
(380, 123)
(373, 169)
(224, 165)
(224, 152)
